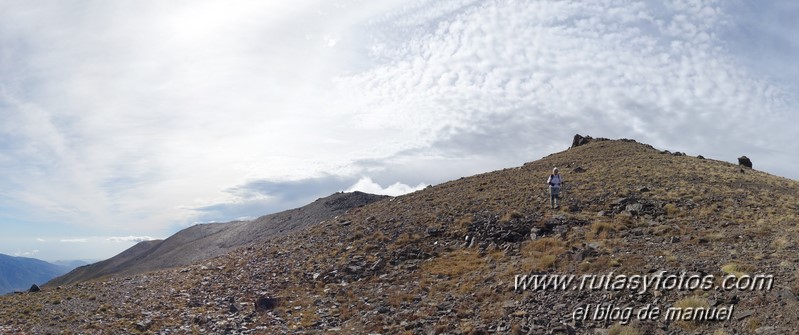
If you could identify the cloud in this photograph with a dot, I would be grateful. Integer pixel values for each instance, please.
(73, 240)
(125, 120)
(116, 118)
(259, 197)
(135, 239)
(40, 239)
(479, 85)
(26, 253)
(288, 190)
(262, 196)
(366, 184)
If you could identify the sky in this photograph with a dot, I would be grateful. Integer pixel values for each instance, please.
(123, 121)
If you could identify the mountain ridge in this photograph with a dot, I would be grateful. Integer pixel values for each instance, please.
(204, 241)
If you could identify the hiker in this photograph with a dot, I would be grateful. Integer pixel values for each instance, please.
(554, 181)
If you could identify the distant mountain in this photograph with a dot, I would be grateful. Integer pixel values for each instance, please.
(19, 273)
(204, 241)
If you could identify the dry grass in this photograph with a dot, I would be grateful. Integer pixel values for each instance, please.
(692, 302)
(460, 227)
(547, 245)
(461, 272)
(663, 230)
(510, 216)
(380, 238)
(714, 236)
(597, 265)
(454, 264)
(781, 242)
(671, 210)
(541, 254)
(753, 323)
(407, 238)
(736, 269)
(602, 229)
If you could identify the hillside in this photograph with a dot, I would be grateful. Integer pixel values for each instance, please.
(204, 241)
(444, 260)
(19, 273)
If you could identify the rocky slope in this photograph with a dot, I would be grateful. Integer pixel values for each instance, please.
(444, 260)
(204, 241)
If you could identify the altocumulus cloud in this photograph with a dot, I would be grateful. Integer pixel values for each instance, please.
(516, 75)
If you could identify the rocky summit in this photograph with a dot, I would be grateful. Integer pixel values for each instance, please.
(644, 242)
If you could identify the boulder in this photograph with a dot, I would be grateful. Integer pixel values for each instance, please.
(234, 308)
(144, 325)
(34, 288)
(745, 161)
(433, 231)
(265, 304)
(634, 209)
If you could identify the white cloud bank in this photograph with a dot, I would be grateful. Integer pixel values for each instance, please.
(134, 239)
(25, 253)
(74, 240)
(366, 184)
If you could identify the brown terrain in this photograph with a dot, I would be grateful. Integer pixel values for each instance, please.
(444, 260)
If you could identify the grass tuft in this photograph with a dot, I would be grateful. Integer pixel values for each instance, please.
(692, 302)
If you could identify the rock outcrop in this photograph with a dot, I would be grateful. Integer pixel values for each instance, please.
(745, 161)
(583, 140)
(580, 140)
